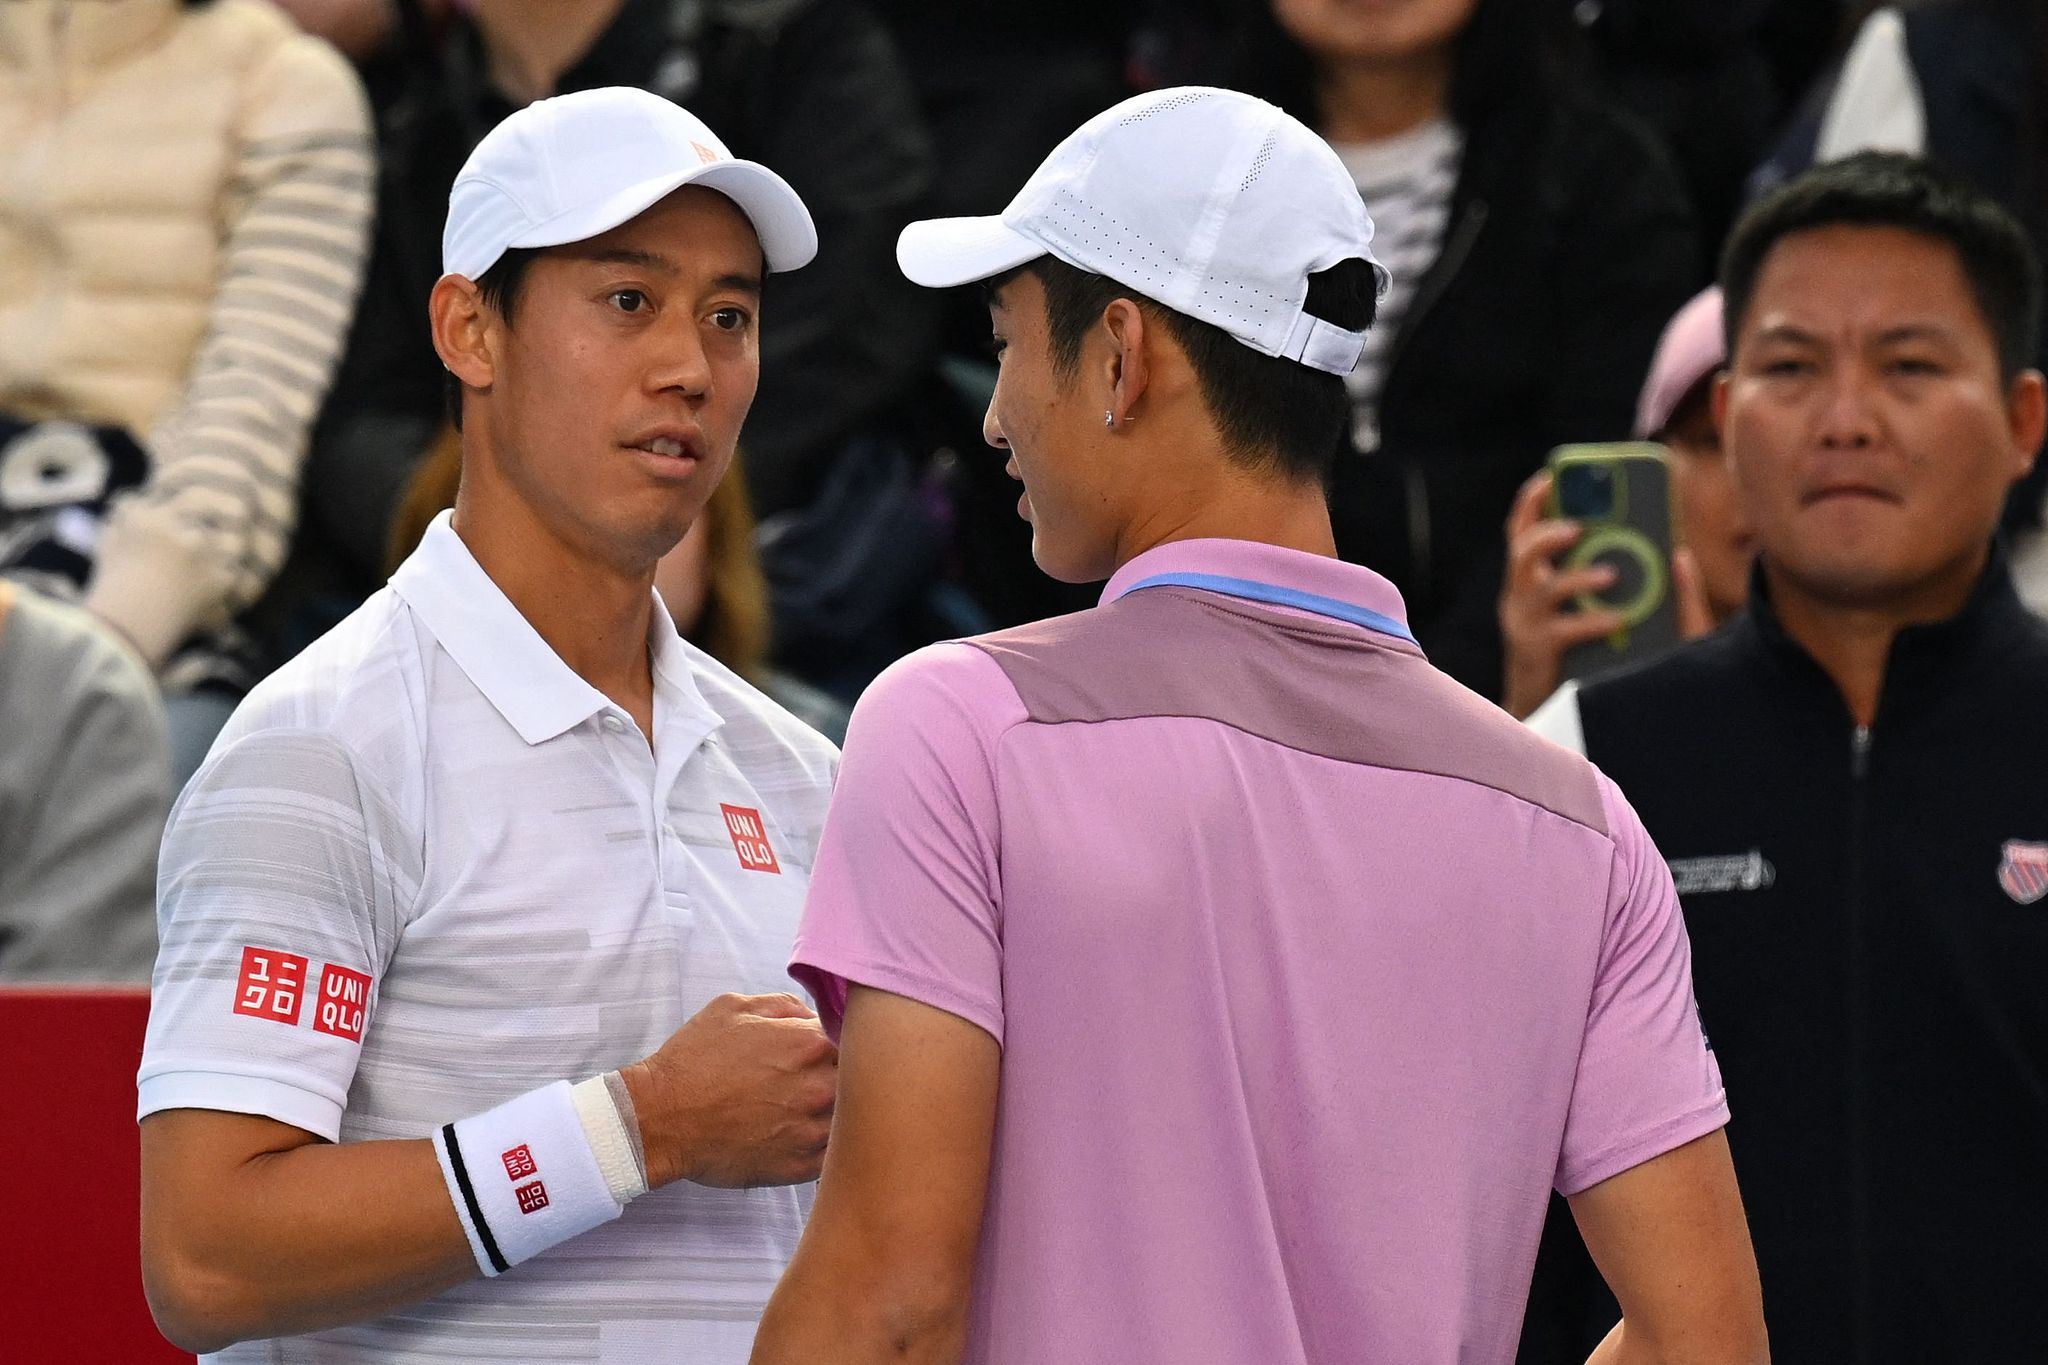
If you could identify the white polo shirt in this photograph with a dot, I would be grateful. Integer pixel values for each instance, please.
(427, 868)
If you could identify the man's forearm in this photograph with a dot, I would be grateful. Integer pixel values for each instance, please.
(296, 1240)
(255, 1228)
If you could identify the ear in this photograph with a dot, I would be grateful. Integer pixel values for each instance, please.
(1125, 368)
(2026, 416)
(462, 327)
(1717, 402)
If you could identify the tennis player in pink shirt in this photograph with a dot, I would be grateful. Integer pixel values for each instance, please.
(1217, 983)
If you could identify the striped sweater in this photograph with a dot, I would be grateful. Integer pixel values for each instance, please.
(185, 199)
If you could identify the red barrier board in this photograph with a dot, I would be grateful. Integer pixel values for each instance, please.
(70, 1181)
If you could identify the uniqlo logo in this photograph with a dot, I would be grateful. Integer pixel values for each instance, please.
(271, 985)
(750, 839)
(519, 1162)
(344, 996)
(532, 1198)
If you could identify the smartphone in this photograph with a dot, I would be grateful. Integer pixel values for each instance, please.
(1620, 493)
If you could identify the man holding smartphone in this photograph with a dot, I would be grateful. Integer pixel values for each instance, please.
(1851, 780)
(1216, 980)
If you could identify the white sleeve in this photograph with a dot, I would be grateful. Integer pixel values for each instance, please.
(1876, 104)
(1557, 720)
(281, 891)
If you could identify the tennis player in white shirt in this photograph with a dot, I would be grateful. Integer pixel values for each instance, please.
(468, 1040)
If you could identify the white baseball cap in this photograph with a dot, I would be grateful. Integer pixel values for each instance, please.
(1209, 202)
(569, 168)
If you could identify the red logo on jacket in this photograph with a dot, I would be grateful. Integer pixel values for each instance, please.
(2023, 870)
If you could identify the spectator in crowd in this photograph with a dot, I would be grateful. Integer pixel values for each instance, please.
(189, 195)
(1710, 564)
(1961, 82)
(85, 783)
(1713, 79)
(813, 87)
(504, 825)
(1538, 242)
(1277, 1084)
(1851, 780)
(711, 582)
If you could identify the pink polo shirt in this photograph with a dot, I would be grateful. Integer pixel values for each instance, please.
(1313, 972)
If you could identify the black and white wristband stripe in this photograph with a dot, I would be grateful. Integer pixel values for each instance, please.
(472, 1213)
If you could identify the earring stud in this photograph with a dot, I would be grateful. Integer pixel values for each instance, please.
(1109, 417)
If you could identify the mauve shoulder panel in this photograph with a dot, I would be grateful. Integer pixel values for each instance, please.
(1334, 690)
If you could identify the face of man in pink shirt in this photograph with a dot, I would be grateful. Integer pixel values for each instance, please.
(1037, 414)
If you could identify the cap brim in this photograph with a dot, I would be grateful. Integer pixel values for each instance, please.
(788, 237)
(942, 252)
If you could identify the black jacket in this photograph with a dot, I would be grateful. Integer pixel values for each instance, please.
(1876, 992)
(1569, 247)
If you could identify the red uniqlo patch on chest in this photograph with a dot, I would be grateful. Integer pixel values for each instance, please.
(532, 1198)
(750, 839)
(271, 986)
(519, 1162)
(344, 997)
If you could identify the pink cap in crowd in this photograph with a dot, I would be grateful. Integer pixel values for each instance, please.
(1690, 350)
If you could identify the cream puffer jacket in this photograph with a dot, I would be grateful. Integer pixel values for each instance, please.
(185, 199)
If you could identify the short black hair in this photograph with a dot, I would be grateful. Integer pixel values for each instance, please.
(1274, 414)
(1887, 189)
(499, 287)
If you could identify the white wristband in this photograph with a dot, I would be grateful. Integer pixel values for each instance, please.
(524, 1177)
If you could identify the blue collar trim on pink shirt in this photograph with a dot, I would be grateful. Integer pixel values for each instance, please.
(1275, 595)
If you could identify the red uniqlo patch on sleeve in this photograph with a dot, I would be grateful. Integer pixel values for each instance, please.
(532, 1198)
(271, 985)
(344, 997)
(519, 1162)
(750, 839)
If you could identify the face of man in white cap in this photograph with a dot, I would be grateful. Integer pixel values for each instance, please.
(604, 377)
(1190, 273)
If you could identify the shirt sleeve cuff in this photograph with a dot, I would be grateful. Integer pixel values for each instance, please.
(1673, 1133)
(239, 1095)
(816, 967)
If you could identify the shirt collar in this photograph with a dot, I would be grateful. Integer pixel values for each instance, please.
(1922, 658)
(501, 653)
(1302, 581)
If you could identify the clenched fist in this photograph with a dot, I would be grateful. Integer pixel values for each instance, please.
(741, 1094)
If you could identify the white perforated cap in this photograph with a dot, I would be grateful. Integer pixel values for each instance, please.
(1210, 202)
(573, 167)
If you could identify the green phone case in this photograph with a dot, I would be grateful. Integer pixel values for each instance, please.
(1635, 536)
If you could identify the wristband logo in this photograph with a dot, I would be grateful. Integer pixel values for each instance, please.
(271, 986)
(519, 1164)
(749, 839)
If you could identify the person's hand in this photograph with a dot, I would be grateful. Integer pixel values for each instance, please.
(1537, 621)
(740, 1095)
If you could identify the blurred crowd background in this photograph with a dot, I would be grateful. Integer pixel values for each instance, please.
(222, 422)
